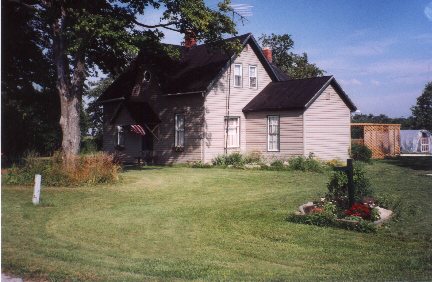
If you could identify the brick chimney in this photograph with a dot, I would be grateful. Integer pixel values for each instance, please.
(190, 39)
(268, 54)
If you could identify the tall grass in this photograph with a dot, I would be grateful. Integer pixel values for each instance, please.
(88, 169)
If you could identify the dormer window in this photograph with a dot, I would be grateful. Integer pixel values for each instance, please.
(253, 77)
(238, 75)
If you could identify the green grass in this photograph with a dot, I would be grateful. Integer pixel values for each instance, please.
(211, 224)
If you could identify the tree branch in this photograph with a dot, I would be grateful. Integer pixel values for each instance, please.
(165, 25)
(28, 6)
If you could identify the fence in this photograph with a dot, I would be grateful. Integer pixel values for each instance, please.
(382, 139)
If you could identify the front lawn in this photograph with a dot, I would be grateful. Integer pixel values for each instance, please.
(212, 224)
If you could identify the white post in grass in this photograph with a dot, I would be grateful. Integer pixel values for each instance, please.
(37, 188)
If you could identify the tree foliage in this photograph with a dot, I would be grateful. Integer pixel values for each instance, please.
(294, 65)
(30, 104)
(422, 111)
(80, 37)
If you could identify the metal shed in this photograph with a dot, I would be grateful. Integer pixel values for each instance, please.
(416, 141)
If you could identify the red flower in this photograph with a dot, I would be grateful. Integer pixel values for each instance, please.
(360, 210)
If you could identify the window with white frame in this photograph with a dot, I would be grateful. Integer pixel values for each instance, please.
(120, 136)
(253, 82)
(273, 132)
(232, 132)
(179, 130)
(238, 74)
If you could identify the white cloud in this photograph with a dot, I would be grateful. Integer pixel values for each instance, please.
(428, 11)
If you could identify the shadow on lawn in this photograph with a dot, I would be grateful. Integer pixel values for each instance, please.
(416, 163)
(141, 167)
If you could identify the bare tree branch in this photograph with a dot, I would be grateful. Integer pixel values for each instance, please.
(162, 25)
(22, 3)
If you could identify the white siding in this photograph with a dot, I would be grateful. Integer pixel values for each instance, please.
(291, 133)
(327, 127)
(216, 104)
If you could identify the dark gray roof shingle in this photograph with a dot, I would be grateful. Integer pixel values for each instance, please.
(194, 71)
(293, 94)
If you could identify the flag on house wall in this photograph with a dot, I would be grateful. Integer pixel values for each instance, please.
(138, 129)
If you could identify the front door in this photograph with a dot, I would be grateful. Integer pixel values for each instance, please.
(147, 146)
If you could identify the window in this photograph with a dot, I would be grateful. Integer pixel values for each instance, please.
(120, 136)
(273, 133)
(238, 75)
(146, 76)
(252, 77)
(179, 130)
(232, 135)
(424, 148)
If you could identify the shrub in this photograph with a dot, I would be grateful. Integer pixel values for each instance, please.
(362, 184)
(305, 164)
(234, 159)
(277, 165)
(361, 153)
(87, 170)
(334, 163)
(88, 145)
(252, 158)
(200, 164)
(338, 185)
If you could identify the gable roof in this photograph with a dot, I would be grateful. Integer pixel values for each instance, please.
(198, 68)
(294, 94)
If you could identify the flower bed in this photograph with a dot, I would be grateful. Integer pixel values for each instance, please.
(363, 217)
(335, 210)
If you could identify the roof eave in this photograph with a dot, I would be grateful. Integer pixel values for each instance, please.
(282, 109)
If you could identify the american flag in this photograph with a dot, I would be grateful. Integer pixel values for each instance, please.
(138, 129)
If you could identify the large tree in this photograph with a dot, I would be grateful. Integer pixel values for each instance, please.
(84, 36)
(294, 65)
(30, 104)
(422, 111)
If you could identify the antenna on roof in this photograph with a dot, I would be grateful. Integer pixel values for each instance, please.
(242, 10)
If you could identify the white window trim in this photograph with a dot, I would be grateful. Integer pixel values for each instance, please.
(177, 129)
(226, 124)
(256, 76)
(268, 134)
(241, 76)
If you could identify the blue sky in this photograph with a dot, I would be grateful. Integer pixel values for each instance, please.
(379, 51)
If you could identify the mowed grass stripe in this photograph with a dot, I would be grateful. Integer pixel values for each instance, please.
(206, 224)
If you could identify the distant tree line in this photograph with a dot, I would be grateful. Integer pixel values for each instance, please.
(421, 114)
(406, 123)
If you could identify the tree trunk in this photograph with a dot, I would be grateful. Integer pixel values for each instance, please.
(70, 124)
(70, 92)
